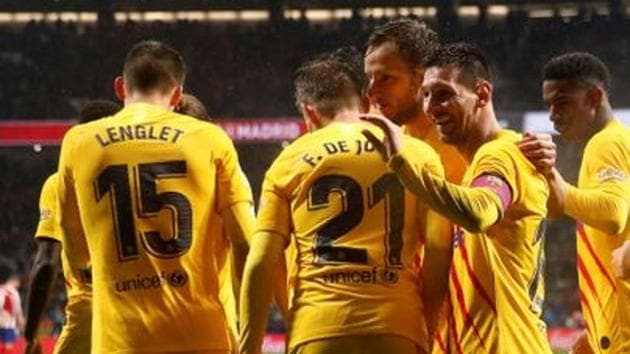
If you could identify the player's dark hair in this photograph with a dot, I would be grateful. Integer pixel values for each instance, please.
(413, 38)
(153, 66)
(98, 109)
(192, 106)
(468, 58)
(7, 270)
(581, 67)
(352, 59)
(331, 81)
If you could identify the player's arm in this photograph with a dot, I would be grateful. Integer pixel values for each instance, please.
(42, 280)
(46, 264)
(280, 289)
(257, 291)
(475, 209)
(238, 225)
(604, 207)
(541, 151)
(234, 198)
(606, 204)
(436, 264)
(266, 252)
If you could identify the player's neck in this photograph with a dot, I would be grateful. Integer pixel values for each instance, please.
(419, 126)
(603, 116)
(486, 130)
(152, 99)
(346, 116)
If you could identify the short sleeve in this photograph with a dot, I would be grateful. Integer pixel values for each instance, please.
(47, 226)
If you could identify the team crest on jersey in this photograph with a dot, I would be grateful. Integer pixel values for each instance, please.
(45, 214)
(610, 174)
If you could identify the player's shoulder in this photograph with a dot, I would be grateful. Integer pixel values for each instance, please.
(78, 133)
(200, 131)
(503, 150)
(50, 183)
(505, 143)
(614, 135)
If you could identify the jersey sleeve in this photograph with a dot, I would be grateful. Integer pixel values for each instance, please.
(475, 209)
(274, 213)
(67, 213)
(605, 204)
(47, 226)
(233, 186)
(420, 155)
(496, 170)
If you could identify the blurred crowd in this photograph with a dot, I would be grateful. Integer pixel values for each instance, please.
(245, 70)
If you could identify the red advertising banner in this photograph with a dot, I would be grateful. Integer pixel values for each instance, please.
(264, 130)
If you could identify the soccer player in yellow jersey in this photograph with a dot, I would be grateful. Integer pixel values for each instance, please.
(141, 197)
(575, 87)
(76, 333)
(355, 230)
(496, 281)
(395, 63)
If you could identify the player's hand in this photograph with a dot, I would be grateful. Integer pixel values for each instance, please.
(540, 150)
(621, 261)
(392, 140)
(581, 345)
(33, 348)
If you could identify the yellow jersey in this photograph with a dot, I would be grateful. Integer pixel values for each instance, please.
(605, 299)
(75, 334)
(140, 198)
(77, 284)
(355, 229)
(496, 281)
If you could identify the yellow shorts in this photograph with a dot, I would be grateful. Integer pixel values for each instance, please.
(75, 337)
(360, 344)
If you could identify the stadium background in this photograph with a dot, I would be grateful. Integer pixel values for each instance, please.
(56, 56)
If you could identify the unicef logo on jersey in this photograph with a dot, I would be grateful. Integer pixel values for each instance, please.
(174, 279)
(177, 279)
(374, 275)
(390, 276)
(458, 236)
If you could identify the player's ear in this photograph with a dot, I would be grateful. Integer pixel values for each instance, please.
(311, 116)
(176, 96)
(484, 93)
(119, 88)
(595, 96)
